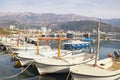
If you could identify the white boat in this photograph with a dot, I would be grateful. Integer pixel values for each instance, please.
(27, 56)
(60, 64)
(24, 47)
(45, 51)
(55, 65)
(8, 41)
(106, 69)
(21, 44)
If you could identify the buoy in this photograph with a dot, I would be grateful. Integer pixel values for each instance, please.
(18, 64)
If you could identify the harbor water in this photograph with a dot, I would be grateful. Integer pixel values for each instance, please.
(9, 72)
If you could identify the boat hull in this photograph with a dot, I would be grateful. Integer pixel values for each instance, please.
(59, 65)
(85, 77)
(25, 61)
(44, 69)
(105, 70)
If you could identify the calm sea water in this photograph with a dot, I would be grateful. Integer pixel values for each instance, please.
(8, 70)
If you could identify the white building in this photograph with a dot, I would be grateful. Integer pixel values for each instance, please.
(43, 29)
(12, 27)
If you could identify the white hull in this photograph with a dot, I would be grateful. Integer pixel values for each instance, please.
(30, 47)
(23, 48)
(105, 70)
(54, 65)
(25, 61)
(82, 77)
(27, 56)
(43, 69)
(7, 44)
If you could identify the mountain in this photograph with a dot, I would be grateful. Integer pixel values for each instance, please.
(114, 21)
(88, 26)
(51, 20)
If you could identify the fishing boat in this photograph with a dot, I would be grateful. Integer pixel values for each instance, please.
(105, 69)
(25, 57)
(22, 44)
(8, 41)
(61, 64)
(46, 51)
(24, 47)
(55, 65)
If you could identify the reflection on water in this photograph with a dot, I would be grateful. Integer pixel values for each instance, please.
(8, 70)
(62, 76)
(32, 74)
(7, 67)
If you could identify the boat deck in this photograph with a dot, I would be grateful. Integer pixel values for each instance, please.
(108, 69)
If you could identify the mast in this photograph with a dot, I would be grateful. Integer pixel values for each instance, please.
(18, 41)
(59, 45)
(38, 43)
(98, 44)
(10, 36)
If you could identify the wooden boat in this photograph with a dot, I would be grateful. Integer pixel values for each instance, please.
(24, 47)
(8, 41)
(45, 51)
(55, 65)
(23, 44)
(26, 57)
(60, 64)
(106, 69)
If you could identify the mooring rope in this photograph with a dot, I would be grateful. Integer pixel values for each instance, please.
(69, 67)
(74, 64)
(3, 78)
(6, 56)
(68, 75)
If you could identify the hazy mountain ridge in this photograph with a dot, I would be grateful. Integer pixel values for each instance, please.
(46, 19)
(114, 21)
(89, 26)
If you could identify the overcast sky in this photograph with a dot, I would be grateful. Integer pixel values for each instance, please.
(91, 8)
